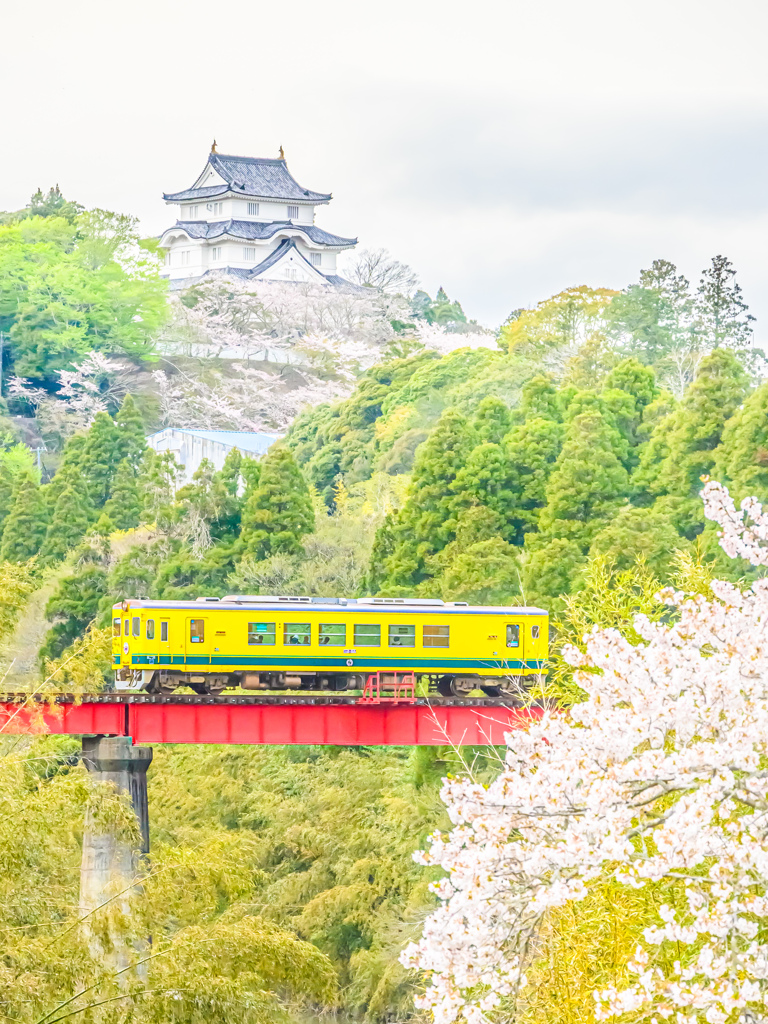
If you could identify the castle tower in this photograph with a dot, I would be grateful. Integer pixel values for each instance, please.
(248, 217)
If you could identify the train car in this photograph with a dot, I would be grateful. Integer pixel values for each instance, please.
(277, 643)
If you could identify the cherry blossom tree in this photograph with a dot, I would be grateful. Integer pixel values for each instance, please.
(658, 778)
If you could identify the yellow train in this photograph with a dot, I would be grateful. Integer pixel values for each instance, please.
(274, 643)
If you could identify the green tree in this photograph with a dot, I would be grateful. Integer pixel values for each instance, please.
(279, 511)
(682, 446)
(741, 461)
(428, 520)
(133, 442)
(69, 471)
(124, 504)
(588, 482)
(26, 525)
(493, 420)
(653, 319)
(58, 303)
(721, 312)
(101, 456)
(74, 604)
(550, 571)
(639, 533)
(67, 526)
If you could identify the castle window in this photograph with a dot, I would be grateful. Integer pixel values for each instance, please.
(216, 208)
(185, 257)
(253, 209)
(290, 273)
(316, 258)
(249, 253)
(193, 212)
(293, 213)
(216, 252)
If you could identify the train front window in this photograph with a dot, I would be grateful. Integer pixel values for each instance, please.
(115, 627)
(402, 636)
(150, 629)
(436, 636)
(534, 632)
(513, 635)
(297, 633)
(367, 636)
(196, 631)
(332, 634)
(261, 633)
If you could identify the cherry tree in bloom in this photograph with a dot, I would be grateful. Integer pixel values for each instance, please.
(658, 776)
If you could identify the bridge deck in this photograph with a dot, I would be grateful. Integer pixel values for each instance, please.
(317, 719)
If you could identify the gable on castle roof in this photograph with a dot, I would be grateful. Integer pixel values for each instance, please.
(253, 176)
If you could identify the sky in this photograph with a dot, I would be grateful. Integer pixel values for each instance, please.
(505, 150)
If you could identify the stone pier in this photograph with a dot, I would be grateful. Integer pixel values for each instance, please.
(110, 864)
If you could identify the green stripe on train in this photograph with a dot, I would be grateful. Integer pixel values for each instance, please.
(283, 663)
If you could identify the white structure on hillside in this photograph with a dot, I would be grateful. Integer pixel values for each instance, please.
(248, 217)
(192, 446)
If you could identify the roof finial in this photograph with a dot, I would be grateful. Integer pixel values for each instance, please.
(213, 147)
(282, 153)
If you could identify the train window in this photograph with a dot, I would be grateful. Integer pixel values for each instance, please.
(150, 629)
(534, 632)
(261, 633)
(297, 633)
(367, 636)
(164, 631)
(196, 631)
(436, 636)
(402, 636)
(115, 627)
(136, 626)
(513, 635)
(333, 634)
(127, 630)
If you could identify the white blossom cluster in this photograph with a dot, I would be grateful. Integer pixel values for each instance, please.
(660, 774)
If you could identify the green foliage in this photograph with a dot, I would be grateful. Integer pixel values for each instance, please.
(279, 511)
(26, 524)
(124, 505)
(741, 461)
(129, 422)
(75, 602)
(101, 455)
(67, 526)
(59, 300)
(639, 534)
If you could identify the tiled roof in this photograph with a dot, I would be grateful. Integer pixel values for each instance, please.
(252, 176)
(249, 229)
(245, 440)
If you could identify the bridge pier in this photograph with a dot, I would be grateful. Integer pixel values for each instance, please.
(110, 863)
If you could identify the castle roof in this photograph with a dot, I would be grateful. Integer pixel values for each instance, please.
(255, 230)
(250, 176)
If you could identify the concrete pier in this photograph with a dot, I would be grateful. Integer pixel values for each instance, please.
(110, 863)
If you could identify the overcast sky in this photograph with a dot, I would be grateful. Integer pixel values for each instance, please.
(506, 150)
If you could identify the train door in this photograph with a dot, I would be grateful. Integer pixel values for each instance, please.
(515, 640)
(164, 641)
(197, 639)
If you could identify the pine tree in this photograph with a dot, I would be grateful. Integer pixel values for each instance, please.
(133, 441)
(101, 456)
(124, 504)
(428, 520)
(741, 461)
(493, 419)
(67, 527)
(682, 446)
(69, 471)
(588, 482)
(645, 533)
(75, 602)
(279, 511)
(721, 312)
(26, 525)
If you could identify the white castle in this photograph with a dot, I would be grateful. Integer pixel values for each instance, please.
(248, 217)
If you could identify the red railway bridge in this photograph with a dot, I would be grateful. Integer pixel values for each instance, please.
(319, 719)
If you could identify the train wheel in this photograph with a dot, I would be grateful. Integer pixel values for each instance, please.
(198, 688)
(491, 691)
(450, 686)
(514, 686)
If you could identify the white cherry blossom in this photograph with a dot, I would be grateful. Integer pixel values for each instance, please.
(659, 774)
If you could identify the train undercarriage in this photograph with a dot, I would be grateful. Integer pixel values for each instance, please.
(159, 681)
